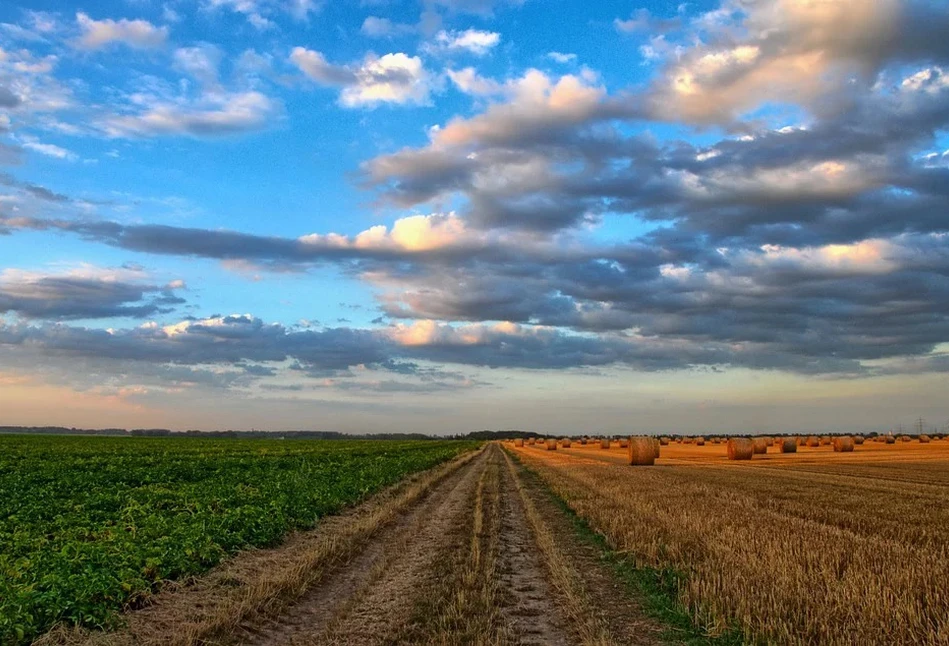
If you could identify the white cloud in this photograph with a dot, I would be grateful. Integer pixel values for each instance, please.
(50, 150)
(139, 34)
(392, 78)
(475, 41)
(562, 58)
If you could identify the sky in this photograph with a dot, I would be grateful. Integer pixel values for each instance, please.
(450, 215)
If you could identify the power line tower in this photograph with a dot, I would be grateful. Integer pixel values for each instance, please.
(919, 426)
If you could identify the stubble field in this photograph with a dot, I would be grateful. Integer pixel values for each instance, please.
(805, 548)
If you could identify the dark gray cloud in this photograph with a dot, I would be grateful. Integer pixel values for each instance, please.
(73, 297)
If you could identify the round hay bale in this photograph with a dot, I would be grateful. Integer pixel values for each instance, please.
(825, 441)
(787, 445)
(906, 438)
(583, 441)
(530, 441)
(924, 439)
(641, 451)
(687, 440)
(518, 442)
(551, 445)
(843, 444)
(655, 445)
(889, 439)
(565, 443)
(604, 444)
(700, 441)
(812, 441)
(740, 448)
(858, 440)
(623, 443)
(760, 444)
(664, 441)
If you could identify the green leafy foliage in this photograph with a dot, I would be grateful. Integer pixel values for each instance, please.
(91, 525)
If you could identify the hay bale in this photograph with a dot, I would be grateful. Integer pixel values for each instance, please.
(812, 441)
(858, 439)
(740, 448)
(565, 443)
(604, 444)
(518, 442)
(641, 451)
(889, 439)
(530, 441)
(825, 440)
(924, 439)
(787, 445)
(843, 444)
(687, 440)
(583, 441)
(760, 444)
(623, 443)
(663, 441)
(700, 441)
(551, 445)
(906, 438)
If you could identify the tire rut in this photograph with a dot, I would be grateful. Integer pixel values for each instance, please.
(365, 600)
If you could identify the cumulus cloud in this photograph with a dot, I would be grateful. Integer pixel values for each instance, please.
(138, 34)
(393, 78)
(809, 54)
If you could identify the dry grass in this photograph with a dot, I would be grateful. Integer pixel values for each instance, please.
(817, 547)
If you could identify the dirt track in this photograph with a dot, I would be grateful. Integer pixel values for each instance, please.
(471, 553)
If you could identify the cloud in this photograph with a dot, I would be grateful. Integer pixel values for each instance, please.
(376, 27)
(260, 13)
(214, 114)
(50, 150)
(88, 293)
(811, 55)
(560, 57)
(473, 41)
(138, 34)
(392, 78)
(8, 99)
(200, 62)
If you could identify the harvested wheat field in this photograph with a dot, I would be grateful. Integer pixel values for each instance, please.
(812, 547)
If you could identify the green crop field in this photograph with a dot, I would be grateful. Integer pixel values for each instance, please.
(89, 525)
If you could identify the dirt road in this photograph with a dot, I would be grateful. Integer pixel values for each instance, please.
(471, 553)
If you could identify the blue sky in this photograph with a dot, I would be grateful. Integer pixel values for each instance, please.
(445, 214)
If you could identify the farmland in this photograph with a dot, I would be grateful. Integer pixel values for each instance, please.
(803, 548)
(89, 526)
(810, 547)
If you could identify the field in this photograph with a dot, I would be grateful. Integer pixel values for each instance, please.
(89, 526)
(806, 548)
(500, 545)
